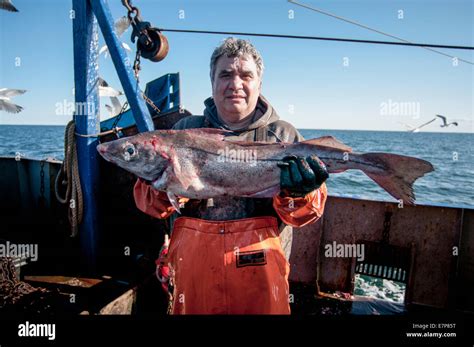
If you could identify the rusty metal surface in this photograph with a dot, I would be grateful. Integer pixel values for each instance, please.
(347, 221)
(304, 253)
(432, 230)
(465, 281)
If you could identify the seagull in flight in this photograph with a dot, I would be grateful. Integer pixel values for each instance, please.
(6, 104)
(7, 5)
(121, 25)
(115, 108)
(417, 129)
(445, 122)
(106, 90)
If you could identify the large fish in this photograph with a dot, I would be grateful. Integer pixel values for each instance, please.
(202, 163)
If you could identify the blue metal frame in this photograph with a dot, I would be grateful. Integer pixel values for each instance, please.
(124, 71)
(165, 94)
(86, 117)
(86, 38)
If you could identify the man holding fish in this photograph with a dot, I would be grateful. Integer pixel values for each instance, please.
(225, 255)
(236, 174)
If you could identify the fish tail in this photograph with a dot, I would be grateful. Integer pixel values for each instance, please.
(396, 173)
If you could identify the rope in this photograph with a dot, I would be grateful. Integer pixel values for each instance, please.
(317, 38)
(386, 34)
(103, 133)
(70, 172)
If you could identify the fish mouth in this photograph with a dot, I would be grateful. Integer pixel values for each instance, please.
(102, 149)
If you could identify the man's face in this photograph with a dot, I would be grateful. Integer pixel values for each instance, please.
(236, 87)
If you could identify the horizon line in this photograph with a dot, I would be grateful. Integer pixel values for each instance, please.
(395, 131)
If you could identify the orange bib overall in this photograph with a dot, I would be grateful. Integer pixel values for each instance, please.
(228, 267)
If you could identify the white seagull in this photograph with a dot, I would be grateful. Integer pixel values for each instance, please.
(121, 25)
(115, 108)
(106, 90)
(5, 104)
(445, 122)
(7, 5)
(417, 129)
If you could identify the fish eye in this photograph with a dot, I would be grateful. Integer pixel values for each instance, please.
(129, 151)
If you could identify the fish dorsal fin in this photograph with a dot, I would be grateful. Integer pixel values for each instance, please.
(328, 141)
(212, 133)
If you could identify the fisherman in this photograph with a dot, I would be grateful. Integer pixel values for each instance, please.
(225, 254)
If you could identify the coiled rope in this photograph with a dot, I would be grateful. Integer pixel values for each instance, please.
(69, 173)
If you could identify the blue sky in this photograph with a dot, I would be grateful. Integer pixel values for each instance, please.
(306, 81)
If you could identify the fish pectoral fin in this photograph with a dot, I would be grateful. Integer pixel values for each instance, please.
(328, 141)
(185, 174)
(185, 178)
(174, 201)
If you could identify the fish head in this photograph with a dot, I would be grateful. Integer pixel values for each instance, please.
(142, 156)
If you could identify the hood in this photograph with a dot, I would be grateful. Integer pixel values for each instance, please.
(264, 114)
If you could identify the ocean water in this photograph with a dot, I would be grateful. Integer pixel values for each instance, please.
(452, 182)
(32, 141)
(379, 288)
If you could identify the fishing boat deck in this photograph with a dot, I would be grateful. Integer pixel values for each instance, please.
(432, 245)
